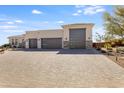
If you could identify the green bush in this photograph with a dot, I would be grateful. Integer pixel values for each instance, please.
(120, 49)
(5, 46)
(107, 45)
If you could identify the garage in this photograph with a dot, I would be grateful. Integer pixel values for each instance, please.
(51, 43)
(33, 43)
(77, 38)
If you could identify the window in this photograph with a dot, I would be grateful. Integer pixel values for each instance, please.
(22, 40)
(12, 41)
(16, 41)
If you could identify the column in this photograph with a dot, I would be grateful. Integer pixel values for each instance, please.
(88, 38)
(65, 42)
(27, 43)
(39, 43)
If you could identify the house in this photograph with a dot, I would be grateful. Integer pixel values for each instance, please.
(71, 36)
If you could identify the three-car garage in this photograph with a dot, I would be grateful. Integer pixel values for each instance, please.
(77, 38)
(71, 36)
(51, 43)
(46, 43)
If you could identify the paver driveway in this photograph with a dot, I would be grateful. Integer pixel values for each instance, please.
(63, 68)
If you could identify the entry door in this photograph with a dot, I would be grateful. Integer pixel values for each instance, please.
(32, 43)
(77, 38)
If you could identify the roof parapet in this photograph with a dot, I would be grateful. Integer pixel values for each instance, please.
(91, 24)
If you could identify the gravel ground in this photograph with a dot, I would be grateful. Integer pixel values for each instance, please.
(59, 68)
(120, 60)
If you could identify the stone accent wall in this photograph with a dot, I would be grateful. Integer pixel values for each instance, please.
(88, 44)
(66, 45)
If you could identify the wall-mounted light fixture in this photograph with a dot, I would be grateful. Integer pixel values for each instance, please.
(89, 38)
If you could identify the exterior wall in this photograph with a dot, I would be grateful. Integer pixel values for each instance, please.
(44, 34)
(65, 38)
(57, 33)
(39, 43)
(78, 26)
(19, 39)
(89, 37)
(26, 43)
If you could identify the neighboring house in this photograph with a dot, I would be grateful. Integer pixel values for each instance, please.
(71, 36)
(17, 41)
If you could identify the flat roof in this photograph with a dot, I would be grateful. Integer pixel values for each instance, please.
(45, 30)
(78, 24)
(17, 36)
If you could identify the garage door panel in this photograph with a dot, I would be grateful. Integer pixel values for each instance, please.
(77, 38)
(32, 43)
(51, 43)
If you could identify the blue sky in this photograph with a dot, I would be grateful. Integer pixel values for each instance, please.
(15, 20)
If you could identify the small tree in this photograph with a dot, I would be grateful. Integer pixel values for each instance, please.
(114, 24)
(99, 39)
(6, 46)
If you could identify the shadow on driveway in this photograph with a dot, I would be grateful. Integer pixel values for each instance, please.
(62, 51)
(78, 51)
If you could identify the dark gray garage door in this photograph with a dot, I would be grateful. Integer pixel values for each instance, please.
(77, 38)
(32, 43)
(51, 43)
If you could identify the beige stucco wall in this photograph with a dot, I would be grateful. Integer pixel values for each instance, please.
(56, 33)
(44, 34)
(19, 39)
(78, 26)
(87, 26)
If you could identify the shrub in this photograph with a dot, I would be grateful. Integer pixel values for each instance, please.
(5, 46)
(113, 44)
(107, 45)
(120, 49)
(103, 51)
(122, 43)
(98, 48)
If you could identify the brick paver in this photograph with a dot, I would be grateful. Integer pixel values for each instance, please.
(63, 68)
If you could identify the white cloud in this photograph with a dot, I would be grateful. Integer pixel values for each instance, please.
(6, 23)
(100, 10)
(10, 23)
(93, 10)
(88, 10)
(75, 14)
(79, 6)
(19, 21)
(8, 27)
(36, 11)
(79, 11)
(14, 30)
(60, 22)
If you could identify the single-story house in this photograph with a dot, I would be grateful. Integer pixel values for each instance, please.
(71, 36)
